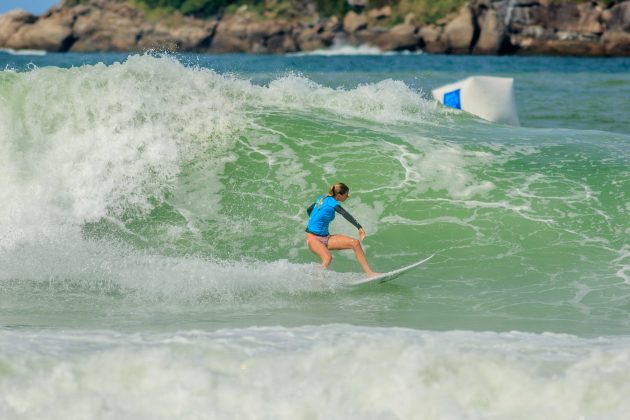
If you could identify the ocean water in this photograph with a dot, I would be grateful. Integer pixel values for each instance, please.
(152, 255)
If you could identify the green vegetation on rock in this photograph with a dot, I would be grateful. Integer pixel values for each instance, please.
(427, 11)
(421, 11)
(197, 8)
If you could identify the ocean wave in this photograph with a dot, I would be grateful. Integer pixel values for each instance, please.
(92, 142)
(140, 172)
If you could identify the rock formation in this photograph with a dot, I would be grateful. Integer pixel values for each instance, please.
(479, 27)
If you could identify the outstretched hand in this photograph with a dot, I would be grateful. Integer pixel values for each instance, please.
(361, 234)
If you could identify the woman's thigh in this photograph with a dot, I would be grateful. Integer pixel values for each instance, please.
(341, 242)
(317, 247)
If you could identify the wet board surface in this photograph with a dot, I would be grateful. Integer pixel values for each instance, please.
(391, 275)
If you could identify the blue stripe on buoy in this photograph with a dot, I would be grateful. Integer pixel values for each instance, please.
(452, 99)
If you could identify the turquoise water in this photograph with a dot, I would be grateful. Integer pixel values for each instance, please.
(152, 239)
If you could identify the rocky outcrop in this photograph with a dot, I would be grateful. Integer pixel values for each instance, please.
(479, 27)
(101, 25)
(106, 28)
(243, 34)
(565, 29)
(492, 38)
(316, 36)
(537, 27)
(400, 37)
(459, 33)
(616, 39)
(431, 39)
(354, 22)
(616, 43)
(618, 17)
(11, 22)
(21, 30)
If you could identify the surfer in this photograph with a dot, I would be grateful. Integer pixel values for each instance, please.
(320, 241)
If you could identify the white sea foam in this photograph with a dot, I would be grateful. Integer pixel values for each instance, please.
(444, 166)
(328, 372)
(91, 142)
(623, 262)
(341, 48)
(101, 267)
(23, 52)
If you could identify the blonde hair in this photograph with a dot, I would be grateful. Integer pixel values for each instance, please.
(338, 188)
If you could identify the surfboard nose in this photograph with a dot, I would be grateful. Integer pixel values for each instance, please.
(390, 275)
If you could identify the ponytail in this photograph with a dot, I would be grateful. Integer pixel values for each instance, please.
(338, 188)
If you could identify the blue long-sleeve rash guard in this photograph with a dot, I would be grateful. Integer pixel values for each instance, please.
(338, 209)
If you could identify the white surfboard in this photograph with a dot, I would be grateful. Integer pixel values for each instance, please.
(391, 275)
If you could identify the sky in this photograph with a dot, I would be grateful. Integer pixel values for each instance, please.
(36, 7)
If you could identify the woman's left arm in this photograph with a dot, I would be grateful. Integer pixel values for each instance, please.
(351, 219)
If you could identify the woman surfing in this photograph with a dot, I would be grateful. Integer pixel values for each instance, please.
(320, 241)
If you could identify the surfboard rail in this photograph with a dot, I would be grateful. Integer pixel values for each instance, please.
(390, 275)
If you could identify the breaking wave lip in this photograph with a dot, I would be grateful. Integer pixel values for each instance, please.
(388, 101)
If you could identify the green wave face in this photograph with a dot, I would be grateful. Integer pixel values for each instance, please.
(152, 185)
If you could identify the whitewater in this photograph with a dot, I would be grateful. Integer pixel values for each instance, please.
(153, 261)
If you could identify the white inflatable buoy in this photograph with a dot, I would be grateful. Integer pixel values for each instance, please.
(491, 98)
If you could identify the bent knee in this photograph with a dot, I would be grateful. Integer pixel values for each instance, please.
(356, 244)
(326, 260)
